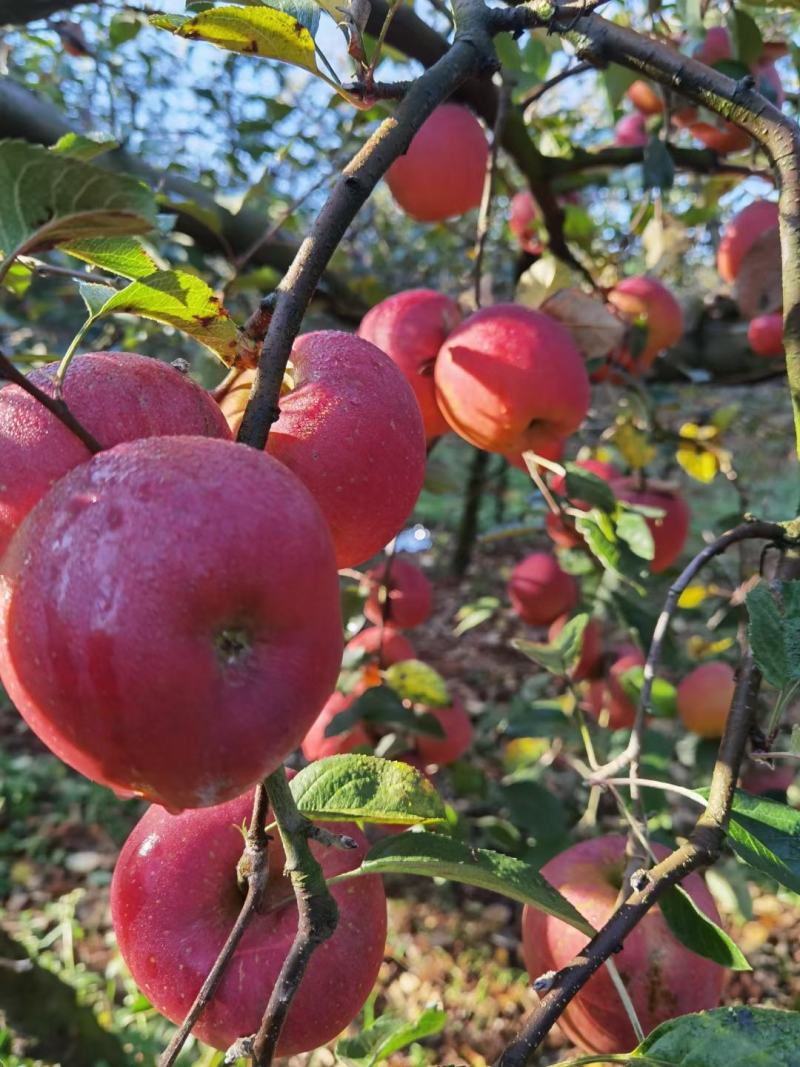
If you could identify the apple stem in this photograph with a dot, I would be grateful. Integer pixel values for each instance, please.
(56, 406)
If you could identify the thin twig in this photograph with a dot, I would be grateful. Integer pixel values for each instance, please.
(56, 406)
(546, 86)
(485, 213)
(253, 871)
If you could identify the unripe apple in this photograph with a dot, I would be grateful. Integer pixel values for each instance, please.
(645, 97)
(411, 327)
(410, 595)
(704, 698)
(457, 726)
(631, 131)
(608, 698)
(765, 335)
(540, 591)
(170, 620)
(386, 643)
(741, 233)
(522, 218)
(646, 300)
(352, 432)
(511, 379)
(174, 899)
(116, 396)
(442, 173)
(671, 531)
(663, 978)
(591, 650)
(317, 746)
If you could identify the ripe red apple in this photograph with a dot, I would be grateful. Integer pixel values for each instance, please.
(540, 591)
(608, 700)
(631, 131)
(723, 138)
(704, 698)
(385, 642)
(669, 532)
(522, 222)
(117, 396)
(457, 726)
(352, 432)
(741, 233)
(645, 97)
(765, 335)
(715, 47)
(511, 379)
(663, 978)
(317, 746)
(174, 899)
(411, 327)
(410, 594)
(442, 173)
(645, 300)
(759, 778)
(169, 618)
(591, 652)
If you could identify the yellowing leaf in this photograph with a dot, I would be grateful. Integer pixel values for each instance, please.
(699, 433)
(545, 278)
(699, 648)
(693, 596)
(699, 463)
(255, 31)
(633, 444)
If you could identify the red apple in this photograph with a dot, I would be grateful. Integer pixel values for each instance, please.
(352, 432)
(765, 335)
(723, 138)
(611, 698)
(511, 379)
(741, 233)
(442, 173)
(671, 531)
(715, 47)
(591, 651)
(522, 222)
(457, 727)
(174, 899)
(759, 778)
(411, 327)
(631, 131)
(317, 746)
(645, 97)
(169, 618)
(704, 698)
(386, 643)
(540, 591)
(410, 598)
(117, 396)
(663, 978)
(645, 300)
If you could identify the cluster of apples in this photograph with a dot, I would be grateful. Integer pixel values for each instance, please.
(715, 50)
(753, 231)
(399, 597)
(170, 626)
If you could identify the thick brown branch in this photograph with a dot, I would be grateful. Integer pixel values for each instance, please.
(56, 406)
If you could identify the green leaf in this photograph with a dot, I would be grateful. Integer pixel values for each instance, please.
(388, 1035)
(415, 681)
(367, 788)
(18, 279)
(584, 487)
(766, 836)
(725, 1037)
(693, 928)
(745, 36)
(617, 81)
(544, 718)
(255, 31)
(561, 655)
(95, 296)
(380, 704)
(436, 856)
(632, 528)
(124, 256)
(47, 199)
(658, 169)
(774, 631)
(77, 146)
(471, 615)
(181, 300)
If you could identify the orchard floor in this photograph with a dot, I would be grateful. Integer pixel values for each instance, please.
(448, 946)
